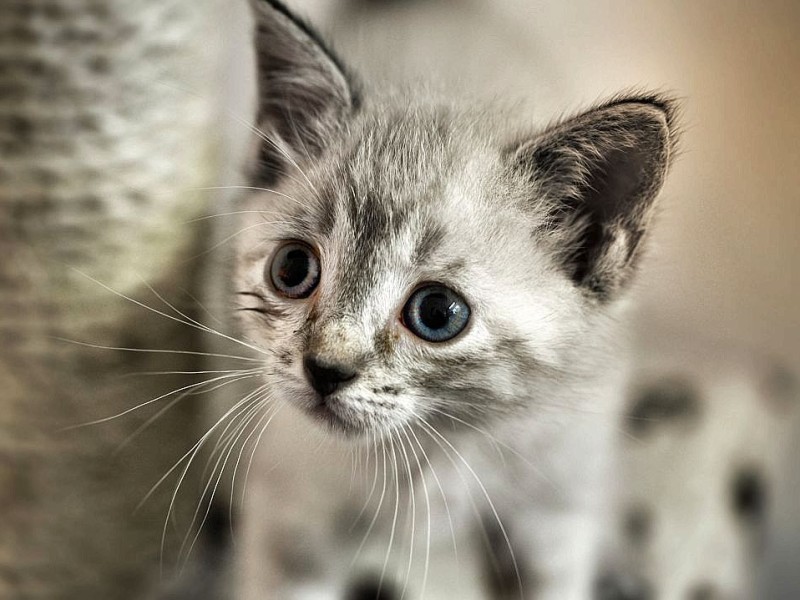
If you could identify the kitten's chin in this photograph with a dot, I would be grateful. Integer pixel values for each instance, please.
(337, 416)
(323, 415)
(339, 419)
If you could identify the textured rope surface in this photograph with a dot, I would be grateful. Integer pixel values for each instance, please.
(106, 131)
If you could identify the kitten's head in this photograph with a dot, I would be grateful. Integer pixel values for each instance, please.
(411, 261)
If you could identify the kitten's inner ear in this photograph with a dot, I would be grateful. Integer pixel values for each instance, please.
(304, 92)
(598, 175)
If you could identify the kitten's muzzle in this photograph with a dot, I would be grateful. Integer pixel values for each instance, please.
(326, 377)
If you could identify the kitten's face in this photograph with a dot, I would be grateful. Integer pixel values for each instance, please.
(425, 287)
(416, 264)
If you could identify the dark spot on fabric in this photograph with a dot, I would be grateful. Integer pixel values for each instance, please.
(88, 123)
(99, 11)
(17, 489)
(20, 127)
(371, 588)
(217, 528)
(91, 204)
(351, 523)
(53, 11)
(30, 210)
(703, 591)
(294, 555)
(781, 388)
(618, 586)
(77, 35)
(10, 92)
(99, 65)
(503, 569)
(12, 148)
(46, 177)
(637, 524)
(39, 67)
(28, 65)
(137, 197)
(782, 380)
(749, 495)
(24, 10)
(671, 400)
(21, 34)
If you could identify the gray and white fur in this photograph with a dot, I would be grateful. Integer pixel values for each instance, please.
(495, 445)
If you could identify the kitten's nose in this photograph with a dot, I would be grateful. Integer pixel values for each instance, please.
(326, 377)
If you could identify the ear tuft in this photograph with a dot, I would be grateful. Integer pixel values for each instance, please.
(599, 174)
(304, 90)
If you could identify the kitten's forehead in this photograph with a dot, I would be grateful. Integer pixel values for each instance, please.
(390, 198)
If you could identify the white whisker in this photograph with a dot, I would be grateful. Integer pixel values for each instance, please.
(271, 410)
(245, 187)
(431, 430)
(157, 350)
(373, 445)
(148, 402)
(413, 502)
(380, 503)
(227, 450)
(405, 431)
(233, 235)
(207, 372)
(255, 447)
(189, 323)
(172, 403)
(190, 454)
(396, 474)
(231, 214)
(258, 132)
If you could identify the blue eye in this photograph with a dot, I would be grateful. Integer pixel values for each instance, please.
(435, 313)
(294, 270)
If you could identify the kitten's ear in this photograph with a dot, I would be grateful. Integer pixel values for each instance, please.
(599, 174)
(304, 91)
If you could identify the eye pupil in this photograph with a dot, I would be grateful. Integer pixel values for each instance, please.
(294, 268)
(434, 310)
(435, 313)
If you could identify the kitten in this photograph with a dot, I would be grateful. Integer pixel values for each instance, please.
(435, 289)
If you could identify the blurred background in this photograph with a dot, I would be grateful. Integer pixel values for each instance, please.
(115, 117)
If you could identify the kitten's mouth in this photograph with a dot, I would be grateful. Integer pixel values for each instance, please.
(331, 411)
